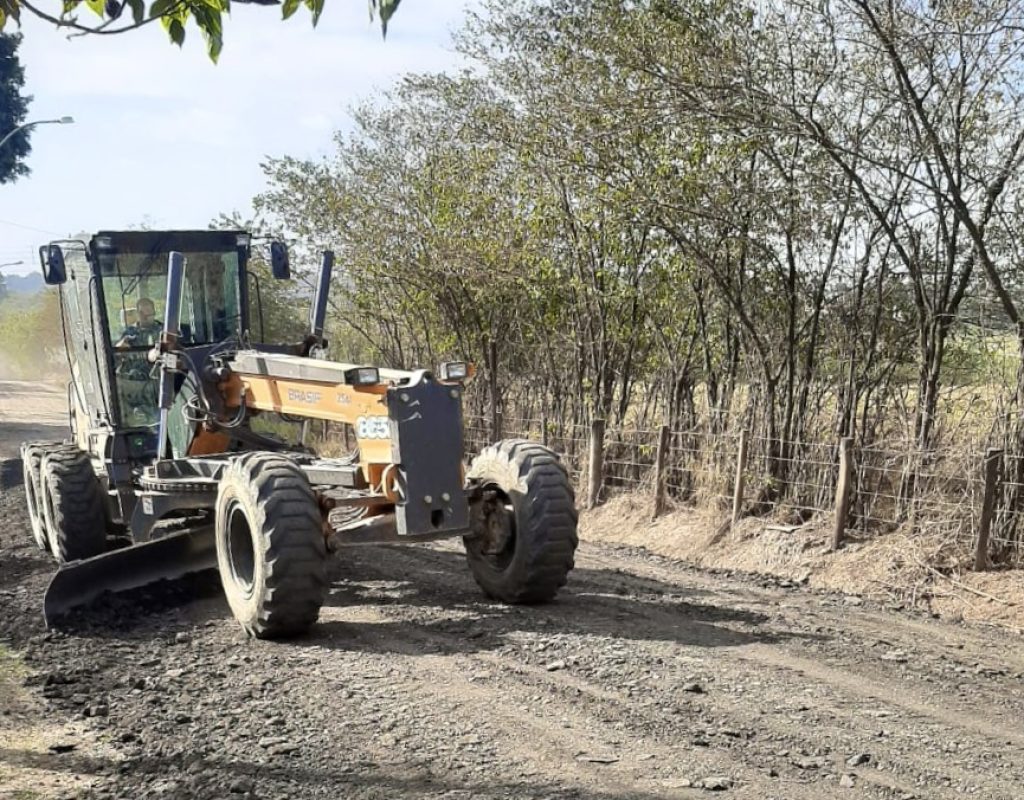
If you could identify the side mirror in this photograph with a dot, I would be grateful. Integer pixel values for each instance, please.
(51, 256)
(279, 264)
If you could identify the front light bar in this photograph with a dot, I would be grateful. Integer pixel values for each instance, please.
(362, 376)
(453, 371)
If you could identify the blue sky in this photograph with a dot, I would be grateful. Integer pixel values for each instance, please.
(165, 138)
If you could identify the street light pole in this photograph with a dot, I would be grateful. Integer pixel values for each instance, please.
(61, 121)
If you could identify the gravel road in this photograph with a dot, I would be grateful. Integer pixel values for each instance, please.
(646, 679)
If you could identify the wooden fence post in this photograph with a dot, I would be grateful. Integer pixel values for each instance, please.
(497, 425)
(659, 471)
(596, 461)
(492, 380)
(544, 429)
(844, 484)
(741, 469)
(993, 468)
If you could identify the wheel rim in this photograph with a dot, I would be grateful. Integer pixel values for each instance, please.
(48, 516)
(497, 545)
(35, 511)
(241, 549)
(30, 492)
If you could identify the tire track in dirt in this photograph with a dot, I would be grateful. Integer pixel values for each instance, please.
(566, 730)
(913, 651)
(847, 687)
(413, 686)
(996, 646)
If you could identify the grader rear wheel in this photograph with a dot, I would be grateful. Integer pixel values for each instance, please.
(270, 546)
(73, 505)
(525, 548)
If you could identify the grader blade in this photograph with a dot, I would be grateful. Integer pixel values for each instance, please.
(79, 583)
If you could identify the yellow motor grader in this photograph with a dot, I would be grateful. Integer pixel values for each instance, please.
(166, 381)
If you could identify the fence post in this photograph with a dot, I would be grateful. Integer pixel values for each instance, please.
(844, 484)
(741, 469)
(544, 428)
(492, 380)
(993, 468)
(659, 471)
(596, 461)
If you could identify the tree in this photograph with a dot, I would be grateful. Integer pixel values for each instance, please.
(778, 221)
(13, 107)
(30, 334)
(173, 15)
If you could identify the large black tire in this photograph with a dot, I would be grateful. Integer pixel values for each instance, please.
(31, 463)
(73, 505)
(533, 508)
(270, 546)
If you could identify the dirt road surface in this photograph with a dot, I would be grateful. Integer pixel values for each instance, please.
(646, 679)
(30, 411)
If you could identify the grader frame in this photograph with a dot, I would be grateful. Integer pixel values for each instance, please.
(194, 485)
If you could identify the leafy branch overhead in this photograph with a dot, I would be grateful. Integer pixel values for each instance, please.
(108, 17)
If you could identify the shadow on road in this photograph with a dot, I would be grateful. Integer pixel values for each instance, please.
(458, 618)
(12, 434)
(197, 777)
(429, 600)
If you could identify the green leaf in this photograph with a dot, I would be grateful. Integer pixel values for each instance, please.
(214, 44)
(161, 7)
(9, 9)
(387, 10)
(138, 10)
(96, 6)
(288, 8)
(177, 32)
(317, 8)
(210, 23)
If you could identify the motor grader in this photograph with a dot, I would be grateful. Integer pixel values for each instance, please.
(170, 467)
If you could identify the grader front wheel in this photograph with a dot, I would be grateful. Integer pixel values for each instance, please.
(270, 546)
(525, 544)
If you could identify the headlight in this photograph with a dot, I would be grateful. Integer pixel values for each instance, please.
(362, 376)
(453, 371)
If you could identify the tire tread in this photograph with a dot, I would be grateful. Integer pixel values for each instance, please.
(546, 522)
(295, 578)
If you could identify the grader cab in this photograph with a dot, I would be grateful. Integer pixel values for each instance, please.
(168, 472)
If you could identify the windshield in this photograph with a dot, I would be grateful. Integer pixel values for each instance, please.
(133, 273)
(135, 291)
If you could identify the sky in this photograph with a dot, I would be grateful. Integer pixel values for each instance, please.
(164, 138)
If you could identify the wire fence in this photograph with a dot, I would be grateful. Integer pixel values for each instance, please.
(941, 491)
(944, 492)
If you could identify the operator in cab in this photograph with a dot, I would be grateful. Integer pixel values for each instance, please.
(147, 328)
